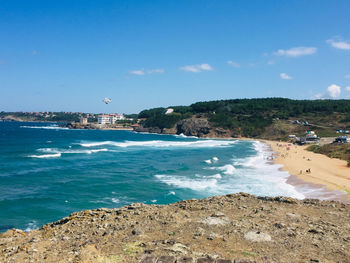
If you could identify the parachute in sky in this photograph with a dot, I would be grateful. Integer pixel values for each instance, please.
(107, 100)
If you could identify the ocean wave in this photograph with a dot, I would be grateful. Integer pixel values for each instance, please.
(268, 176)
(54, 152)
(115, 200)
(44, 156)
(260, 158)
(31, 226)
(228, 169)
(159, 143)
(181, 135)
(183, 182)
(52, 127)
(212, 160)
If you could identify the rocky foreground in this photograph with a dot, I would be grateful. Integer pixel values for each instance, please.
(239, 226)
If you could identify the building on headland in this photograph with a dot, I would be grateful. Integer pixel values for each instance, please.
(83, 120)
(110, 118)
(169, 111)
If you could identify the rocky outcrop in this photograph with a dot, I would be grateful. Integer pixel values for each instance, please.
(237, 226)
(199, 127)
(194, 127)
(148, 129)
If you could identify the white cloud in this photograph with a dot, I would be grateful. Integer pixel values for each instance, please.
(157, 70)
(339, 44)
(137, 72)
(347, 76)
(197, 68)
(296, 51)
(334, 91)
(141, 72)
(347, 88)
(285, 76)
(319, 96)
(233, 64)
(270, 62)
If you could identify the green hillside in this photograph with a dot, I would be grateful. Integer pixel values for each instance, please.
(253, 117)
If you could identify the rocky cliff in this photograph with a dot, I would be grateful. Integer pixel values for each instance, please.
(239, 226)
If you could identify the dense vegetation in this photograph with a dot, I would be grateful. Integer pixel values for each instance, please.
(249, 116)
(333, 150)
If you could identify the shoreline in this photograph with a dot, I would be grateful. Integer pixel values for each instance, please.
(330, 186)
(327, 179)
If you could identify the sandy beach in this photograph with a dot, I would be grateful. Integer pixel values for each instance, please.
(310, 167)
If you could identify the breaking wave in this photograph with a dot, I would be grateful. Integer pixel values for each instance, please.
(183, 182)
(228, 169)
(159, 143)
(55, 153)
(52, 127)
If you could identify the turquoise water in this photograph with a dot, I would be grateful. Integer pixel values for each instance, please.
(47, 172)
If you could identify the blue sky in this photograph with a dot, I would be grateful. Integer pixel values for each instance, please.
(70, 55)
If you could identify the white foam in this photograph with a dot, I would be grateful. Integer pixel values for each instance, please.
(183, 182)
(31, 226)
(154, 201)
(269, 177)
(207, 161)
(93, 151)
(215, 159)
(171, 193)
(217, 176)
(181, 135)
(253, 174)
(54, 152)
(54, 155)
(228, 169)
(115, 200)
(159, 143)
(52, 127)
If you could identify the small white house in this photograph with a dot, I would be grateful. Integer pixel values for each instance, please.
(169, 110)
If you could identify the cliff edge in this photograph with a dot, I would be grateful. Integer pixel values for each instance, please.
(237, 226)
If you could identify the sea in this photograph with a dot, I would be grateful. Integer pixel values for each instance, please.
(48, 172)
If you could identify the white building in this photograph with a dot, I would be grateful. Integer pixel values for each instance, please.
(110, 118)
(116, 117)
(104, 119)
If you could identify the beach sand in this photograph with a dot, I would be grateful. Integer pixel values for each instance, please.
(324, 171)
